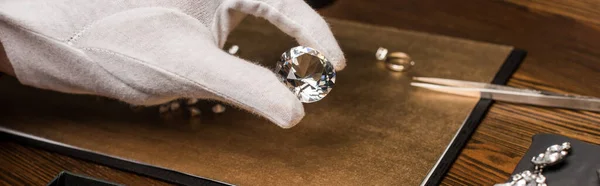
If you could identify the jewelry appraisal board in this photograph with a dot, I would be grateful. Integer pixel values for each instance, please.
(372, 129)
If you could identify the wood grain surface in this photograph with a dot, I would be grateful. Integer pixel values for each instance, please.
(23, 165)
(562, 37)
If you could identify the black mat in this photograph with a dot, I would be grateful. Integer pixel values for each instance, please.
(512, 63)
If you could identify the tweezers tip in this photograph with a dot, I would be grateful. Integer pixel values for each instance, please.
(417, 78)
(417, 84)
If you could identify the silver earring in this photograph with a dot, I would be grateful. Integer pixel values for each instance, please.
(395, 61)
(553, 155)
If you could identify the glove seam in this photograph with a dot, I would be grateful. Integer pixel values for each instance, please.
(4, 17)
(179, 76)
(213, 25)
(107, 71)
(19, 69)
(78, 34)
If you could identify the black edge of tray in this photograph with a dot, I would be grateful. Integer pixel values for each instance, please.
(66, 178)
(142, 169)
(437, 173)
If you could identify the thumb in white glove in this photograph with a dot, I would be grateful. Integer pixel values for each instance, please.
(152, 52)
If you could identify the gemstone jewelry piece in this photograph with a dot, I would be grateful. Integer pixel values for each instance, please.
(553, 155)
(307, 73)
(395, 61)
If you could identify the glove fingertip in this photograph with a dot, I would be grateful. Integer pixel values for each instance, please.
(294, 116)
(339, 63)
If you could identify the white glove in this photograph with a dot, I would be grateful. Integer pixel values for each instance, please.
(148, 52)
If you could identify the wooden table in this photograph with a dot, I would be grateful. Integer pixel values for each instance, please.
(23, 165)
(562, 37)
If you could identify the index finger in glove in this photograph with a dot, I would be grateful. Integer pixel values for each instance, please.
(297, 19)
(181, 61)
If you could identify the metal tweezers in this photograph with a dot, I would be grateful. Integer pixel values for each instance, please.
(508, 94)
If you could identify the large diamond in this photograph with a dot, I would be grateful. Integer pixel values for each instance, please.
(307, 73)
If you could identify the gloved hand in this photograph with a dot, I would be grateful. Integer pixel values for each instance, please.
(148, 52)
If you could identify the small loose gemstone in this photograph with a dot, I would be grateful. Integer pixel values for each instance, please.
(233, 50)
(175, 106)
(194, 111)
(163, 108)
(307, 73)
(218, 108)
(191, 101)
(555, 148)
(381, 53)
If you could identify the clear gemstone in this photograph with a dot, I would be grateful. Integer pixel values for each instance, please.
(540, 179)
(566, 145)
(218, 108)
(381, 53)
(307, 73)
(553, 155)
(554, 148)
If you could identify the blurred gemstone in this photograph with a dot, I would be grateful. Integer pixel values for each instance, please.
(218, 108)
(553, 155)
(194, 111)
(307, 73)
(381, 53)
(554, 148)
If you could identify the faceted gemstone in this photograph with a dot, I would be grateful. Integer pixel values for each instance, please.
(525, 178)
(553, 155)
(381, 53)
(554, 148)
(307, 73)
